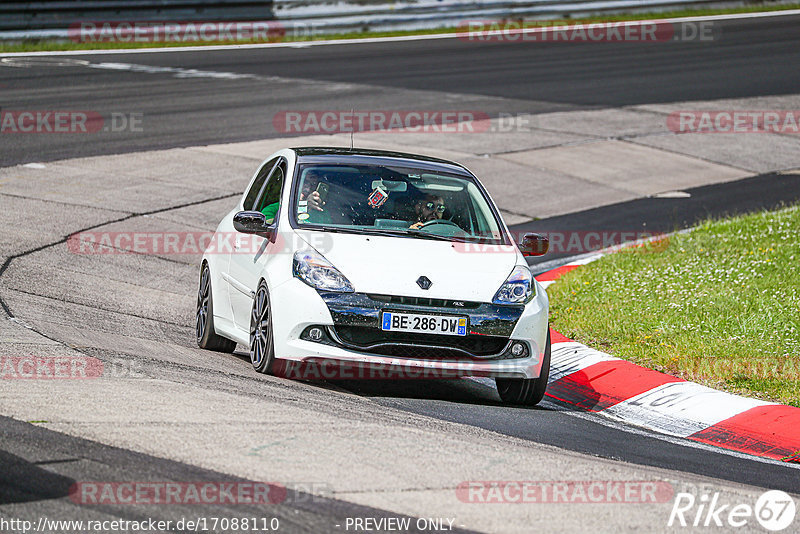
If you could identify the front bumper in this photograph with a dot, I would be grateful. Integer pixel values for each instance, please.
(357, 326)
(307, 361)
(354, 346)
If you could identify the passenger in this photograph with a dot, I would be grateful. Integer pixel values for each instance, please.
(270, 211)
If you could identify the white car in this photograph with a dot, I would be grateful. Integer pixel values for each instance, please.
(371, 264)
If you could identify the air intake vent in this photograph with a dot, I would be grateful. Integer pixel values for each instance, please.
(426, 302)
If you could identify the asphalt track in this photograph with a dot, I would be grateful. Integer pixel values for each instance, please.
(755, 58)
(665, 215)
(752, 57)
(39, 464)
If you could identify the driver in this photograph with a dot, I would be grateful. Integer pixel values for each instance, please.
(428, 208)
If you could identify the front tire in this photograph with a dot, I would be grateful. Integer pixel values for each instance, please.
(526, 391)
(207, 337)
(262, 342)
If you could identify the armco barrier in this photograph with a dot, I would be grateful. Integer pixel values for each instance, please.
(51, 19)
(59, 14)
(385, 15)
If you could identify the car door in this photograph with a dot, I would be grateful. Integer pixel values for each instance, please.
(250, 197)
(252, 252)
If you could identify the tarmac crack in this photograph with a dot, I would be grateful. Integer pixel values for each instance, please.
(699, 158)
(94, 307)
(53, 462)
(60, 203)
(64, 239)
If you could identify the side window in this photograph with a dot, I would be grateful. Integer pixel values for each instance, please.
(268, 201)
(272, 190)
(258, 184)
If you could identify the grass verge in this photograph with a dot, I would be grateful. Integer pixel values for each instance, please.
(55, 45)
(719, 305)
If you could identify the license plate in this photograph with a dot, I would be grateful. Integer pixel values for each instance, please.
(424, 324)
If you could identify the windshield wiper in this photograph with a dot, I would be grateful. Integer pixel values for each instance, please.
(335, 229)
(392, 232)
(415, 233)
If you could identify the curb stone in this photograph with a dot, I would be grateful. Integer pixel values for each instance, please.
(594, 381)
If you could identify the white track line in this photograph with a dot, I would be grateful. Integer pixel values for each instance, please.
(370, 40)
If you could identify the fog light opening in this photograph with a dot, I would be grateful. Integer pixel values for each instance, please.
(315, 334)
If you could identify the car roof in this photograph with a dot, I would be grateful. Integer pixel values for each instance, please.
(375, 157)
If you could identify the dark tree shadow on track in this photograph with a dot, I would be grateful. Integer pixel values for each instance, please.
(24, 481)
(21, 481)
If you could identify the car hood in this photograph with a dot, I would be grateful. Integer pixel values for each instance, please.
(392, 265)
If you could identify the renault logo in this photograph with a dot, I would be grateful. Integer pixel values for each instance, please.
(424, 282)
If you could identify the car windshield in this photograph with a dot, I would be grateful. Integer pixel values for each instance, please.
(393, 201)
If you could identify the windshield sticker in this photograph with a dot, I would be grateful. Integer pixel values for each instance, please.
(377, 197)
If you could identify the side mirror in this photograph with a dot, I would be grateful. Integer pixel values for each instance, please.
(534, 245)
(252, 222)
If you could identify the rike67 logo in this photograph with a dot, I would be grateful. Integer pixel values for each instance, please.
(774, 510)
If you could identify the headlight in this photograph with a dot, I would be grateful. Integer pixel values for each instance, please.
(517, 289)
(313, 269)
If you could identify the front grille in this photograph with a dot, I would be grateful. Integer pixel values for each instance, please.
(413, 345)
(423, 353)
(424, 301)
